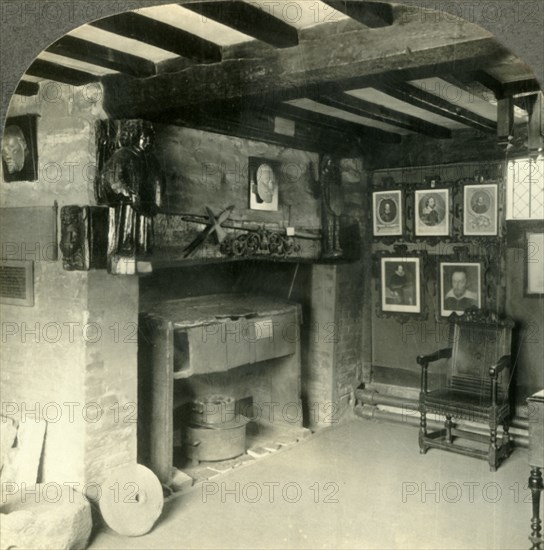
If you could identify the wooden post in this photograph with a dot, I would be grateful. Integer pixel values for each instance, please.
(536, 125)
(505, 120)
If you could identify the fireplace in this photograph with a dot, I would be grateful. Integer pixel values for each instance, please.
(246, 347)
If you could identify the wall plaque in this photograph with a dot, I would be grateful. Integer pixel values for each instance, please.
(17, 282)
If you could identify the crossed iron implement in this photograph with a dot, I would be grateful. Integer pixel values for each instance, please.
(214, 225)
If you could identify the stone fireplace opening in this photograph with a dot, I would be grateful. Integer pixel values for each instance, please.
(261, 333)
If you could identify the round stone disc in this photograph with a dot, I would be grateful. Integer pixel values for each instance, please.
(131, 500)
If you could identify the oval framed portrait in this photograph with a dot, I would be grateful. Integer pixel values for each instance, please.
(387, 213)
(432, 212)
(480, 210)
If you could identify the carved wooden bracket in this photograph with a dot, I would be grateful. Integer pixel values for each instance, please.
(260, 243)
(84, 237)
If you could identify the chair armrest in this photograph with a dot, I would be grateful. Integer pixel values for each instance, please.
(424, 360)
(503, 362)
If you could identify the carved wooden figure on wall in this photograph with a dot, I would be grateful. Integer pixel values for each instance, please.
(72, 238)
(132, 184)
(332, 200)
(83, 240)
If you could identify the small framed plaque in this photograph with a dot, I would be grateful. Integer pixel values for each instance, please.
(17, 282)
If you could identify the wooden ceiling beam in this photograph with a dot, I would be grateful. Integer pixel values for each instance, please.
(257, 121)
(356, 106)
(161, 35)
(467, 82)
(470, 86)
(27, 88)
(260, 127)
(299, 114)
(60, 73)
(249, 19)
(435, 104)
(331, 61)
(91, 52)
(370, 14)
(505, 89)
(488, 81)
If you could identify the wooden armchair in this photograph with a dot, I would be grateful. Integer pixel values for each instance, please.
(478, 376)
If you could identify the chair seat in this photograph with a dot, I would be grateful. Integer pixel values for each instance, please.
(464, 405)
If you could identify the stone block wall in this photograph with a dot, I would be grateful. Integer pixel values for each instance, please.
(64, 359)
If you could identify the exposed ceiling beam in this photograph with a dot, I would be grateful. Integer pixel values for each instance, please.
(299, 114)
(161, 35)
(314, 130)
(435, 104)
(370, 14)
(280, 74)
(60, 73)
(259, 126)
(249, 19)
(473, 87)
(91, 52)
(470, 86)
(373, 111)
(505, 89)
(27, 88)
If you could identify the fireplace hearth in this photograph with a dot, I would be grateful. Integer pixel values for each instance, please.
(246, 347)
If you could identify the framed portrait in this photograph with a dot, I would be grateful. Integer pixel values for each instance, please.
(400, 284)
(534, 271)
(480, 209)
(387, 213)
(263, 184)
(460, 287)
(20, 149)
(432, 212)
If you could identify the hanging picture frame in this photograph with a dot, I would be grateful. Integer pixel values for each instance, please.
(400, 284)
(432, 212)
(387, 213)
(480, 210)
(460, 287)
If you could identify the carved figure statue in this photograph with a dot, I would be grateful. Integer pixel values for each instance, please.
(72, 238)
(332, 200)
(132, 183)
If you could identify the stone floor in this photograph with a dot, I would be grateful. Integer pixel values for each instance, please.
(361, 484)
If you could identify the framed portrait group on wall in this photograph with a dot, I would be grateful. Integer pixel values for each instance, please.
(459, 285)
(431, 210)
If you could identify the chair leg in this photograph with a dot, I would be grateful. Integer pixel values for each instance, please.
(422, 430)
(492, 456)
(506, 437)
(448, 425)
(536, 485)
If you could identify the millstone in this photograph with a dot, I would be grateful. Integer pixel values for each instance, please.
(131, 500)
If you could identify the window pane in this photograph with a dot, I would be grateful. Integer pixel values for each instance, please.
(525, 189)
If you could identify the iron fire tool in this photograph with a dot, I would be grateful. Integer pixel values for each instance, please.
(214, 225)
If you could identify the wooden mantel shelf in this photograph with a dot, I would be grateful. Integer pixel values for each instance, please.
(203, 310)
